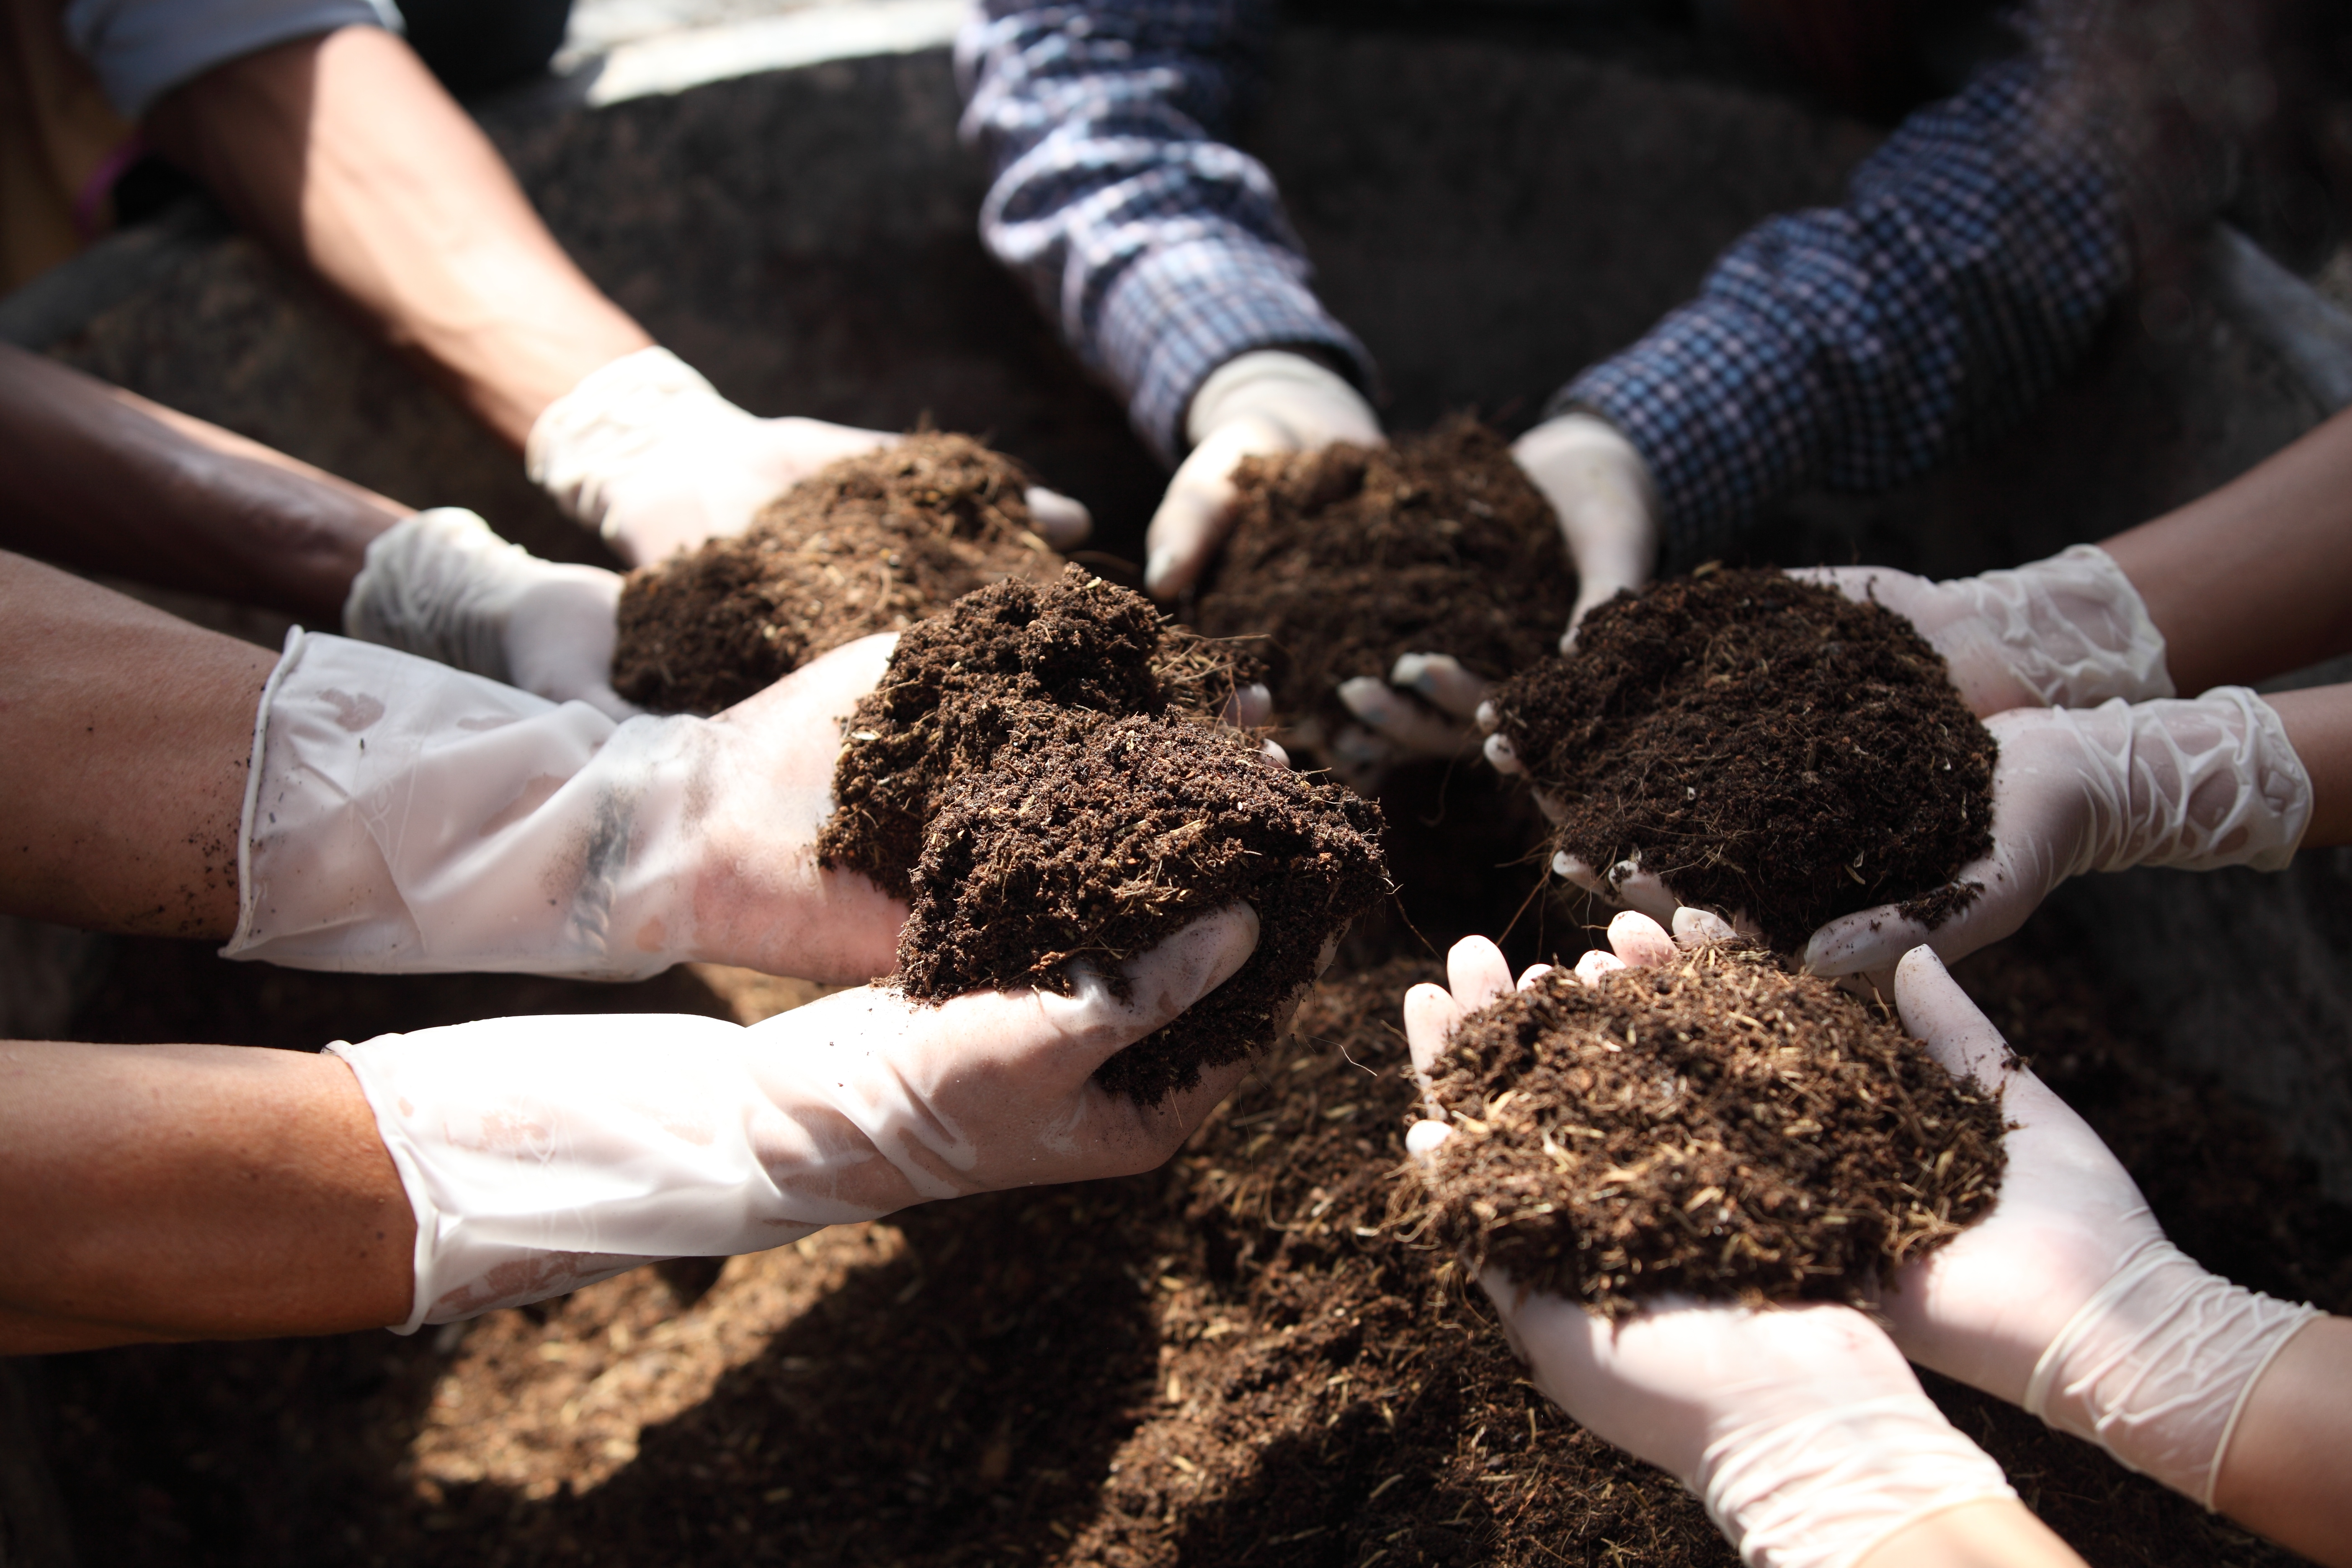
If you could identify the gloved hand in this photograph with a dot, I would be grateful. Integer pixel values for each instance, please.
(1599, 490)
(646, 452)
(2193, 785)
(1800, 1429)
(2067, 632)
(441, 585)
(2066, 1299)
(543, 1154)
(1260, 404)
(404, 816)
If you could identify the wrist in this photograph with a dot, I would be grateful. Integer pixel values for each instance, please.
(1309, 403)
(2071, 630)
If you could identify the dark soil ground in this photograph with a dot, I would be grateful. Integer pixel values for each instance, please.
(1235, 1359)
(871, 543)
(1766, 746)
(1720, 1127)
(1344, 558)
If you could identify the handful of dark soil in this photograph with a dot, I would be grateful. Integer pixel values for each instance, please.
(1722, 1127)
(1765, 746)
(871, 543)
(1040, 774)
(1344, 558)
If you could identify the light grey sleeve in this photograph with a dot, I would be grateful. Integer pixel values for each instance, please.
(141, 49)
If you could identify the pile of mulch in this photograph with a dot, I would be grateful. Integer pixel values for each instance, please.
(1041, 772)
(871, 543)
(1722, 1127)
(1343, 558)
(1239, 1359)
(1766, 746)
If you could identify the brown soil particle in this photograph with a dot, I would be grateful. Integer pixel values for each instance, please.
(871, 543)
(1721, 1128)
(1090, 838)
(1765, 746)
(1346, 557)
(958, 682)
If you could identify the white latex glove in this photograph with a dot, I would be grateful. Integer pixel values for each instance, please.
(2066, 1299)
(645, 451)
(401, 816)
(1260, 404)
(2193, 785)
(2068, 632)
(543, 1154)
(1802, 1428)
(441, 585)
(1600, 490)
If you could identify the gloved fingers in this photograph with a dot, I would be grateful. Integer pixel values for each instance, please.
(1441, 680)
(1062, 521)
(1596, 963)
(1477, 971)
(1866, 584)
(1533, 973)
(1641, 941)
(1965, 1041)
(1197, 512)
(1625, 884)
(1871, 939)
(1093, 1025)
(833, 680)
(1697, 928)
(1409, 728)
(1361, 757)
(1250, 707)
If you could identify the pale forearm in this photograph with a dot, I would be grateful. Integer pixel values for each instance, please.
(129, 733)
(2289, 1460)
(102, 480)
(346, 154)
(2251, 580)
(191, 1192)
(1995, 1533)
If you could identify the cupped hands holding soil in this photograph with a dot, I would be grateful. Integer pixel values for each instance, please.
(1765, 747)
(1719, 1127)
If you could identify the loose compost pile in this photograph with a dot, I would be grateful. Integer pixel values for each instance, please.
(1345, 557)
(1721, 1128)
(1766, 747)
(871, 543)
(1042, 772)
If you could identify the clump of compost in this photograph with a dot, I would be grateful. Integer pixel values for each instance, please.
(1721, 1127)
(1042, 775)
(1763, 745)
(871, 543)
(1343, 558)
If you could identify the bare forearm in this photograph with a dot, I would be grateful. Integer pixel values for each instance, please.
(102, 480)
(2253, 580)
(2290, 1460)
(191, 1192)
(346, 156)
(1989, 1534)
(2318, 723)
(128, 733)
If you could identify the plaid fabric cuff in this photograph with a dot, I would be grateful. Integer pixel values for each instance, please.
(1179, 312)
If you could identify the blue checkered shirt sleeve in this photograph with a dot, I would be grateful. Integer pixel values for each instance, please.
(1158, 250)
(1853, 347)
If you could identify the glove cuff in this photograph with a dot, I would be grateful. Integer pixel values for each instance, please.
(2156, 1367)
(2193, 785)
(402, 817)
(1821, 1490)
(1314, 406)
(592, 434)
(540, 1155)
(2072, 629)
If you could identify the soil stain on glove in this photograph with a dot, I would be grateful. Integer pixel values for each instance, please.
(1042, 773)
(1720, 1127)
(871, 543)
(1762, 745)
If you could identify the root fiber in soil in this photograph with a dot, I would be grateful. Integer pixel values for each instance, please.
(1343, 558)
(871, 543)
(1765, 746)
(1092, 838)
(1252, 1358)
(1041, 772)
(1719, 1127)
